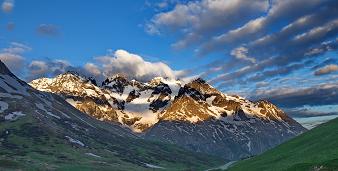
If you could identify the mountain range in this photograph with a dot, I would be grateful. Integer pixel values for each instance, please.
(41, 131)
(192, 115)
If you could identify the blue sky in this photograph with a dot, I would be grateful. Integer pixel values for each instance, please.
(281, 50)
(86, 29)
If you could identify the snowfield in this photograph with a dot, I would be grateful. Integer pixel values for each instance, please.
(75, 141)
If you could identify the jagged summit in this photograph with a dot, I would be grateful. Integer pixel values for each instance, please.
(115, 78)
(200, 80)
(82, 77)
(72, 73)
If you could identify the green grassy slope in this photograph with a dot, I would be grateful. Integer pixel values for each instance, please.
(316, 149)
(28, 145)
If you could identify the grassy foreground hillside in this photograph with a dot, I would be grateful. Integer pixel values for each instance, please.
(27, 145)
(316, 149)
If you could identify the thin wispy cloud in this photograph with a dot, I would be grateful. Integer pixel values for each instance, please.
(10, 26)
(270, 47)
(13, 57)
(48, 30)
(327, 69)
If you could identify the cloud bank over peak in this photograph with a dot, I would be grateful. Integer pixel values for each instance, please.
(131, 65)
(119, 62)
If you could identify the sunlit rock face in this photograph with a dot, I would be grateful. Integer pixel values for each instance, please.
(193, 115)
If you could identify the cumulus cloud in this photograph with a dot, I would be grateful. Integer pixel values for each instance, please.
(48, 30)
(92, 68)
(132, 65)
(7, 6)
(119, 62)
(47, 68)
(326, 70)
(242, 53)
(38, 68)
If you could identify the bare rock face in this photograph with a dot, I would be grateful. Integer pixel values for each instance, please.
(195, 116)
(131, 103)
(81, 93)
(205, 120)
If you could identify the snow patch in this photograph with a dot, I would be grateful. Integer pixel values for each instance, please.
(153, 166)
(93, 155)
(41, 107)
(210, 100)
(3, 106)
(14, 116)
(193, 119)
(75, 141)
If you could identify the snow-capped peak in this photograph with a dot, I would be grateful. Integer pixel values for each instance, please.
(115, 78)
(140, 105)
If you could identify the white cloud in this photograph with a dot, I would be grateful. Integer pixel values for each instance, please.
(118, 62)
(14, 62)
(16, 48)
(242, 53)
(134, 66)
(7, 6)
(327, 69)
(38, 67)
(92, 69)
(199, 19)
(12, 56)
(257, 27)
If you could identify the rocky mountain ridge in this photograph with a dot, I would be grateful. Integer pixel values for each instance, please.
(178, 113)
(131, 103)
